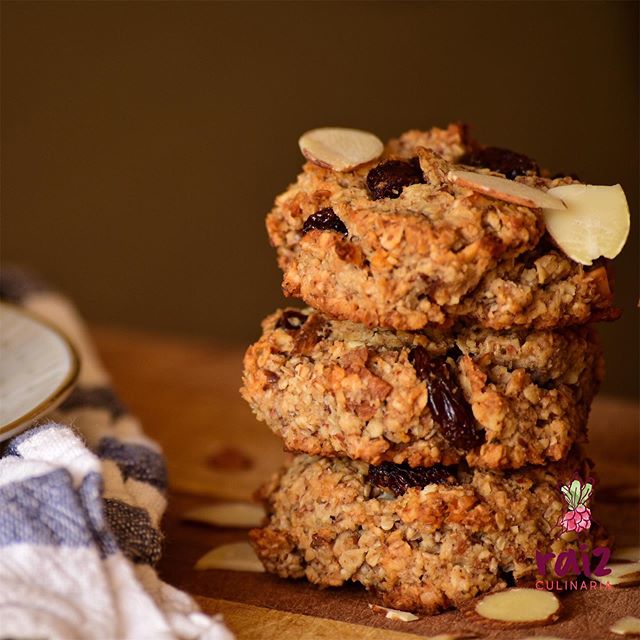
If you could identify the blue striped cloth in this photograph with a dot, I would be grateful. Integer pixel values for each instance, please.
(81, 498)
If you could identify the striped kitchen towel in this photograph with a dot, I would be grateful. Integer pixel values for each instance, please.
(81, 497)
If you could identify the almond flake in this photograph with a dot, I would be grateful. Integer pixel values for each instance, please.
(507, 190)
(239, 515)
(235, 556)
(340, 149)
(394, 614)
(623, 574)
(593, 222)
(515, 607)
(627, 626)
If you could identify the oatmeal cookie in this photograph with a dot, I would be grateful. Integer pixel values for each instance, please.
(423, 542)
(394, 243)
(496, 400)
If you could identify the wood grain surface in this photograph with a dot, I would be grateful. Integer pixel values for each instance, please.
(186, 394)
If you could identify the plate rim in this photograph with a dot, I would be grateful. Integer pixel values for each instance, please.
(63, 389)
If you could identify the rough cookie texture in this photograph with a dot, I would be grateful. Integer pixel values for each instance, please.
(336, 388)
(421, 251)
(428, 549)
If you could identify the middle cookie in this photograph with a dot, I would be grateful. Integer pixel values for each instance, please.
(497, 400)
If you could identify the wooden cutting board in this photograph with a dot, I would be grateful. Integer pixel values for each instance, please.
(186, 394)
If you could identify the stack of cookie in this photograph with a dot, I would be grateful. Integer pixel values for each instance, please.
(436, 393)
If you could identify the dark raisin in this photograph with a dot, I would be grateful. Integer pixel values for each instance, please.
(509, 163)
(388, 179)
(271, 376)
(448, 405)
(508, 577)
(399, 477)
(291, 320)
(454, 352)
(324, 220)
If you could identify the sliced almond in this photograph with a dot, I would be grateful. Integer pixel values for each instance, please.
(624, 574)
(394, 614)
(240, 515)
(503, 189)
(595, 221)
(340, 149)
(515, 607)
(235, 556)
(627, 626)
(631, 554)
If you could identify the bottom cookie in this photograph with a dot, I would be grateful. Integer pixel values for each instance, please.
(424, 539)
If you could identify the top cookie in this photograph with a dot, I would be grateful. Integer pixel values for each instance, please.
(397, 243)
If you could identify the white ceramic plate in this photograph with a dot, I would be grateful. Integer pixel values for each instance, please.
(38, 369)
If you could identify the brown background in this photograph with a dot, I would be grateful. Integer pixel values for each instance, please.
(143, 142)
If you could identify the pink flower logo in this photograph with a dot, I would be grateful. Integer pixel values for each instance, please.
(578, 516)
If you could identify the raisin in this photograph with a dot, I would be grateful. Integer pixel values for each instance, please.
(399, 477)
(291, 320)
(454, 352)
(324, 220)
(271, 376)
(388, 179)
(509, 163)
(448, 405)
(508, 577)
